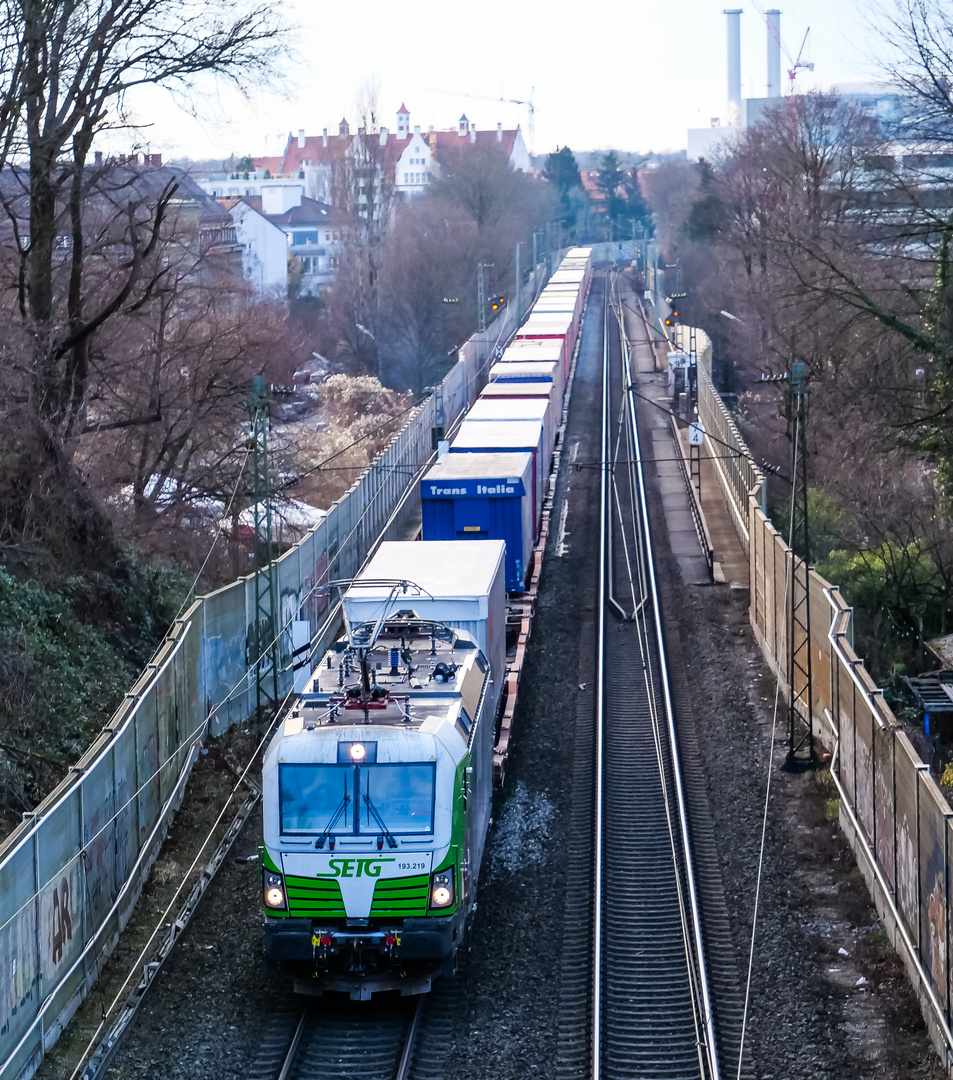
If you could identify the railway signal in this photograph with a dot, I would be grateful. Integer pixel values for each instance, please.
(673, 302)
(497, 303)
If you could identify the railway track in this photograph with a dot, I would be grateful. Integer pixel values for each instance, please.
(652, 1016)
(392, 1039)
(642, 1007)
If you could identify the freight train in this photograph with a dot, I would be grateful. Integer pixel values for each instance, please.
(378, 782)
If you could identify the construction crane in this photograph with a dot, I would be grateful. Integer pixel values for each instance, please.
(795, 65)
(528, 102)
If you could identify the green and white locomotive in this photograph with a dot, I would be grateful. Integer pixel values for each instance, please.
(377, 791)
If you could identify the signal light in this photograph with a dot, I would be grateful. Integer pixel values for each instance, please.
(497, 302)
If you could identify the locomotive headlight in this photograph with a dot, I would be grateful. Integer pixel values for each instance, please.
(358, 751)
(273, 888)
(441, 889)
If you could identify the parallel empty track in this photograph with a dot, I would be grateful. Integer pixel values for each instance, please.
(647, 1002)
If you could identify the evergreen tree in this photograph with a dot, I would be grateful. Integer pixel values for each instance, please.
(609, 180)
(562, 172)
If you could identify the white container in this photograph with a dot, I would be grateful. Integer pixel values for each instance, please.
(554, 326)
(462, 583)
(558, 302)
(528, 358)
(499, 436)
(547, 390)
(535, 408)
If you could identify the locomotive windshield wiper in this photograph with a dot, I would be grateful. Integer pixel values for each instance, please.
(342, 809)
(391, 842)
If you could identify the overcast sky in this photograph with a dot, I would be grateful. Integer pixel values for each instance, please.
(628, 74)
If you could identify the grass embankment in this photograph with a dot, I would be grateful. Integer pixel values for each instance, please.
(70, 647)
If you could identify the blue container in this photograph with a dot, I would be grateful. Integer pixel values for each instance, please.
(483, 496)
(508, 437)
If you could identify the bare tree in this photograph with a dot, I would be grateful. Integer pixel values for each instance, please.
(82, 236)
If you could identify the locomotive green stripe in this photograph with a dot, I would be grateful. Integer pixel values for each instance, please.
(401, 896)
(316, 897)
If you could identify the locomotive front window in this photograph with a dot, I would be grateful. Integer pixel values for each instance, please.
(356, 799)
(315, 798)
(402, 796)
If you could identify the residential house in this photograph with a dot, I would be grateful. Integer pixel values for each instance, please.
(314, 236)
(264, 247)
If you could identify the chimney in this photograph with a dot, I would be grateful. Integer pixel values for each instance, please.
(773, 20)
(98, 157)
(416, 129)
(734, 66)
(324, 137)
(384, 136)
(499, 132)
(430, 129)
(300, 138)
(473, 133)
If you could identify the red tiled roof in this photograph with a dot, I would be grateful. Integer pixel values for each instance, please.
(272, 164)
(314, 151)
(448, 140)
(589, 183)
(403, 109)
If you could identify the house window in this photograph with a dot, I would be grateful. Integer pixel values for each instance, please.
(327, 235)
(333, 262)
(309, 237)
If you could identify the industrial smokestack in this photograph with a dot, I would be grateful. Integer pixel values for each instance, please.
(773, 19)
(734, 65)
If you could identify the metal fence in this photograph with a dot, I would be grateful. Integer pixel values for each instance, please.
(891, 808)
(72, 871)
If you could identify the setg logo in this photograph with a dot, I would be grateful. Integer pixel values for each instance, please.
(355, 867)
